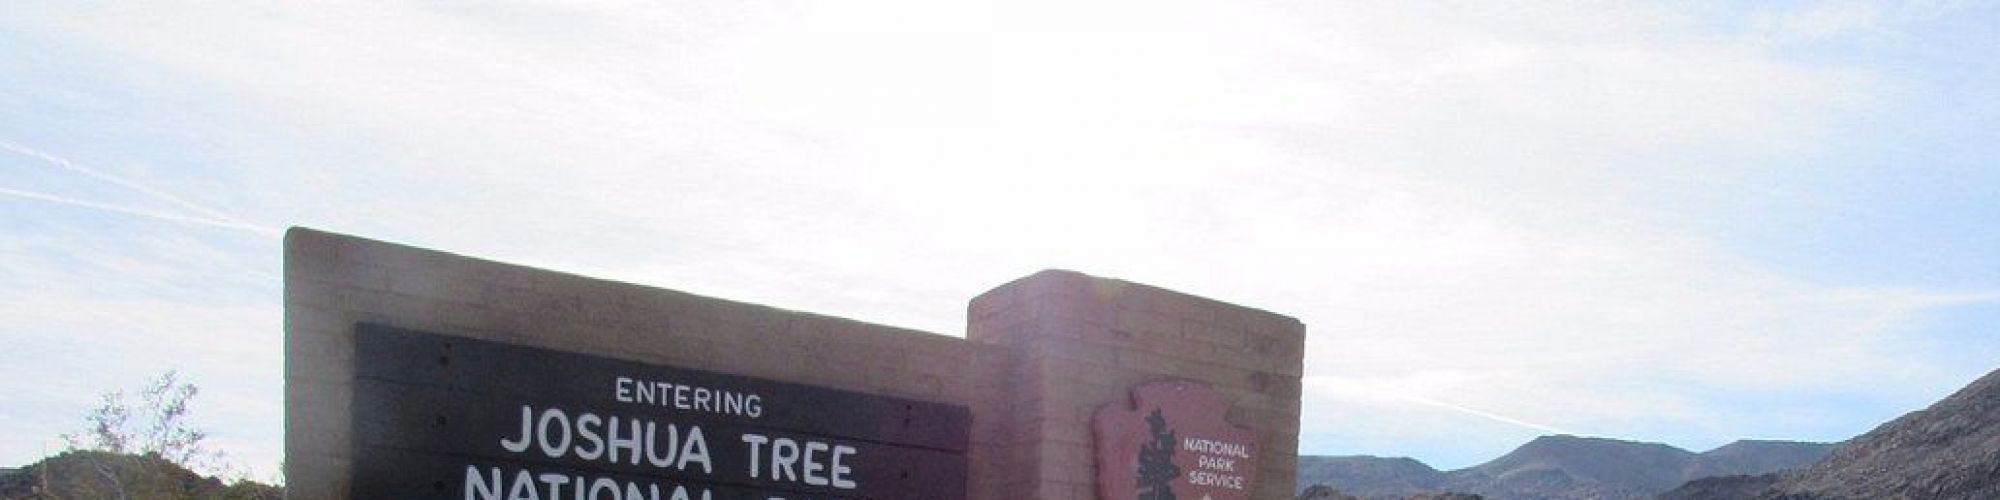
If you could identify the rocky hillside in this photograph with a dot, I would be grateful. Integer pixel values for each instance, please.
(1369, 477)
(1723, 488)
(1574, 467)
(1323, 492)
(1560, 467)
(1758, 457)
(1948, 451)
(89, 474)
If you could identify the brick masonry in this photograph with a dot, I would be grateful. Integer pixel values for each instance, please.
(1040, 354)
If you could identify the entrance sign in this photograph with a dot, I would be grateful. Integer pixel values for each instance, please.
(413, 373)
(446, 417)
(1175, 445)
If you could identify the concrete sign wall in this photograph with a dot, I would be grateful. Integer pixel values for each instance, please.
(411, 373)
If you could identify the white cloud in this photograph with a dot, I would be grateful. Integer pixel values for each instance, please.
(1481, 206)
(1828, 20)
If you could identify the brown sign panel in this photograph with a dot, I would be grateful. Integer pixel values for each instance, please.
(438, 416)
(1173, 445)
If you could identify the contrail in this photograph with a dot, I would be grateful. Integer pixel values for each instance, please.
(1377, 390)
(1483, 414)
(140, 212)
(65, 164)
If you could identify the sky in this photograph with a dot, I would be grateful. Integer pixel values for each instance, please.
(1678, 222)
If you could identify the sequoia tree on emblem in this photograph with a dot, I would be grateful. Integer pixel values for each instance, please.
(1175, 445)
(1156, 461)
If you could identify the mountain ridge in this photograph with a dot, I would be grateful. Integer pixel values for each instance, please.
(1948, 450)
(1560, 467)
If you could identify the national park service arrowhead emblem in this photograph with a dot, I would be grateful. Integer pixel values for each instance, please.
(1173, 444)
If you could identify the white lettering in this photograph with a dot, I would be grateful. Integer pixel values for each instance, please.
(701, 397)
(555, 483)
(630, 442)
(785, 454)
(1206, 478)
(603, 484)
(524, 487)
(591, 437)
(686, 397)
(477, 483)
(584, 427)
(527, 426)
(813, 465)
(550, 446)
(841, 478)
(653, 443)
(756, 442)
(695, 449)
(1199, 445)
